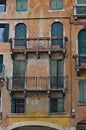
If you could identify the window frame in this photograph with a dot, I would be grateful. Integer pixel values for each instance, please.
(21, 10)
(1, 101)
(56, 9)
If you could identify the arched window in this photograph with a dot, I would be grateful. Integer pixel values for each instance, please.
(57, 30)
(20, 32)
(82, 44)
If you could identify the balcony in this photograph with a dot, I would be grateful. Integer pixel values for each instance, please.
(41, 84)
(80, 11)
(80, 62)
(38, 44)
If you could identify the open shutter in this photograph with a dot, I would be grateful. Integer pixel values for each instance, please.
(6, 32)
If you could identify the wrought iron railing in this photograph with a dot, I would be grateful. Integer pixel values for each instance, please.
(37, 83)
(37, 43)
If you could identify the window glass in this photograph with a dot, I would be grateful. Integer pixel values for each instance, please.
(4, 32)
(57, 105)
(56, 4)
(21, 5)
(2, 5)
(18, 105)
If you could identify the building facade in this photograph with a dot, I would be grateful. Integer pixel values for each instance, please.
(42, 64)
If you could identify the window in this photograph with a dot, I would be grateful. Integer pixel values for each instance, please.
(57, 31)
(18, 105)
(82, 44)
(21, 5)
(19, 67)
(56, 4)
(82, 92)
(56, 74)
(81, 9)
(2, 5)
(4, 32)
(57, 105)
(20, 32)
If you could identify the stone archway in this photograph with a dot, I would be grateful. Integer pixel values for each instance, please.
(30, 124)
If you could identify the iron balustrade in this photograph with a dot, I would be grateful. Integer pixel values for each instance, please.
(41, 83)
(35, 43)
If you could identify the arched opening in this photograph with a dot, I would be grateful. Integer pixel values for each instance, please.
(33, 128)
(82, 44)
(20, 34)
(57, 31)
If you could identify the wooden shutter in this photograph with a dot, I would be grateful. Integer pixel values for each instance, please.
(81, 1)
(60, 104)
(53, 105)
(56, 4)
(13, 105)
(21, 5)
(20, 32)
(19, 68)
(1, 63)
(57, 30)
(53, 74)
(82, 92)
(82, 44)
(6, 32)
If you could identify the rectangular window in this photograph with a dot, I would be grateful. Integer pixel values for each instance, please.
(56, 73)
(18, 105)
(82, 92)
(2, 5)
(57, 105)
(4, 32)
(81, 8)
(21, 5)
(56, 4)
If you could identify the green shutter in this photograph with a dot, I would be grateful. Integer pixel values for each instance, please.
(20, 32)
(56, 4)
(60, 105)
(57, 30)
(53, 105)
(21, 5)
(13, 105)
(82, 92)
(82, 44)
(81, 1)
(19, 68)
(1, 63)
(53, 74)
(6, 32)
